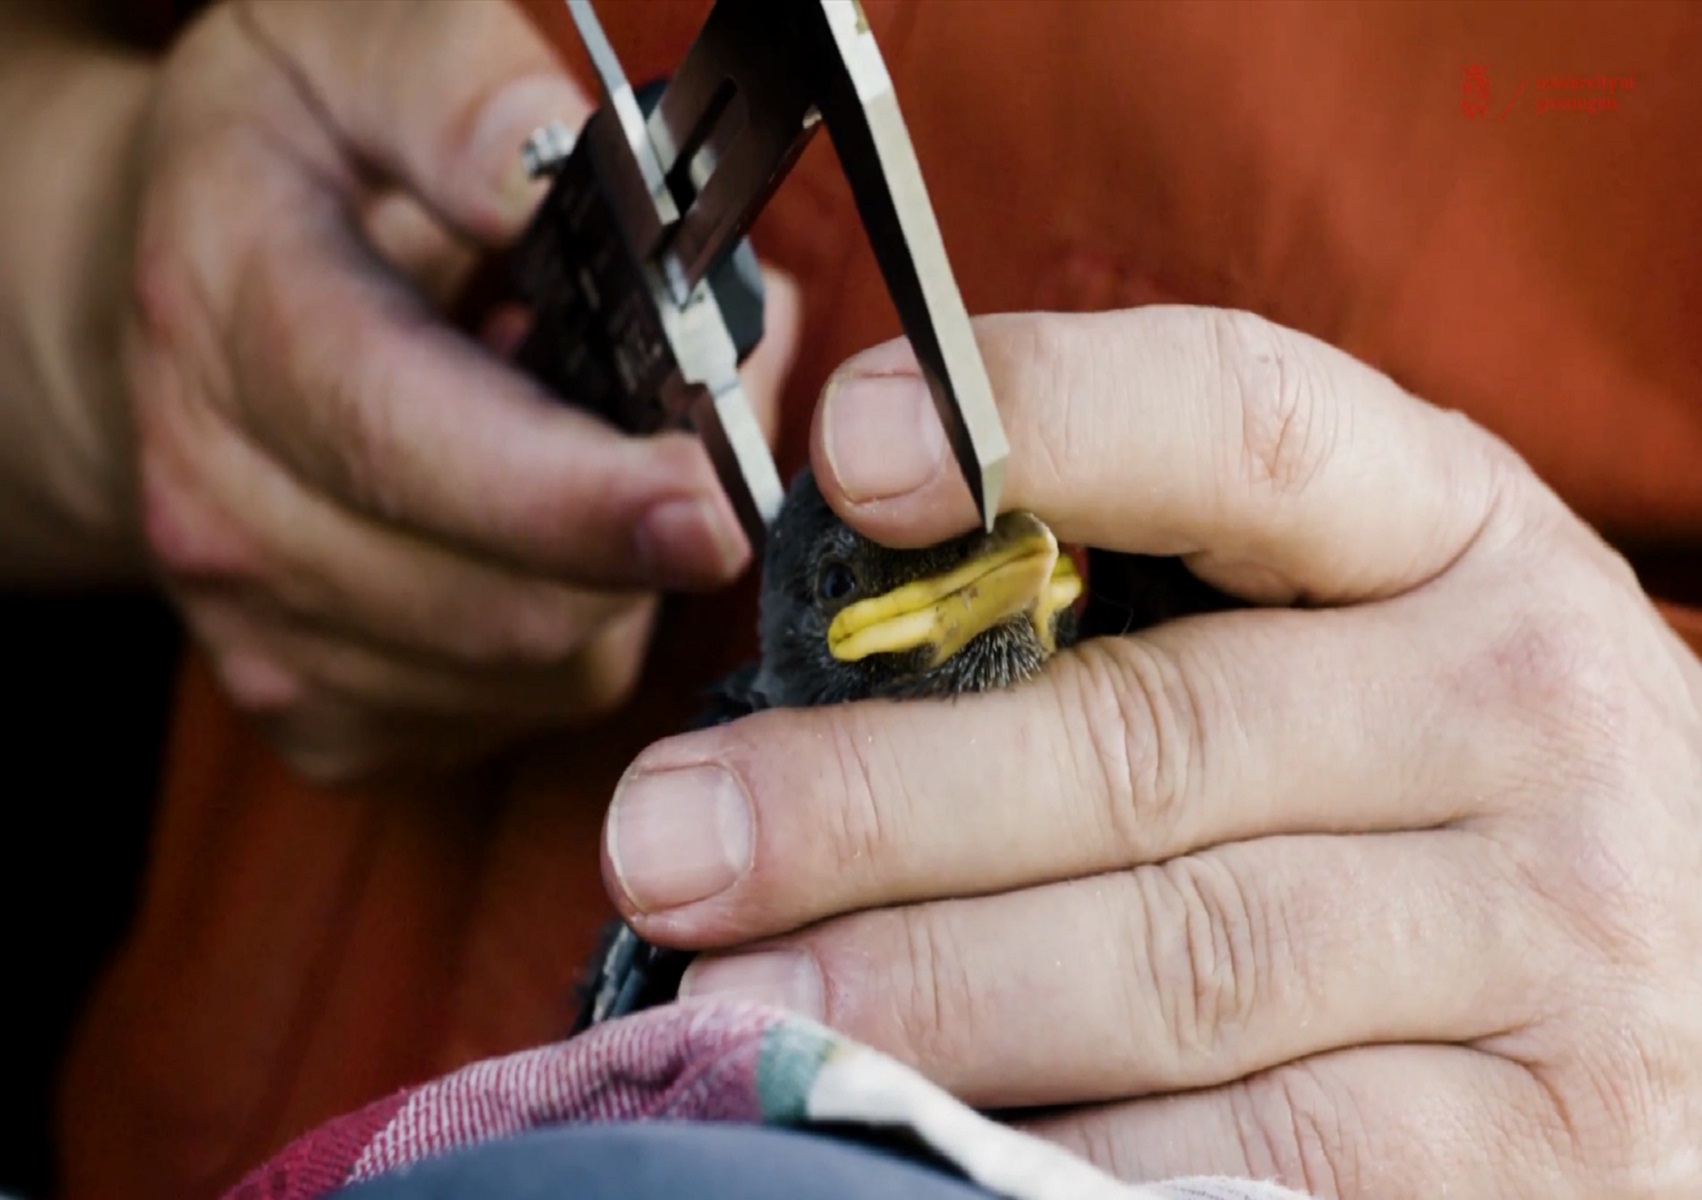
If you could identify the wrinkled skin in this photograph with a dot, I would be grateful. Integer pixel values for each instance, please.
(396, 551)
(1382, 883)
(808, 543)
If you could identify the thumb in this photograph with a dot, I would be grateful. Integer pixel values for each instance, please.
(1277, 465)
(440, 96)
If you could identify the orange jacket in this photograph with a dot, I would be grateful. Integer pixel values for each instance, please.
(300, 950)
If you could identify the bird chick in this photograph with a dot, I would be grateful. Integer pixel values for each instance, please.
(843, 618)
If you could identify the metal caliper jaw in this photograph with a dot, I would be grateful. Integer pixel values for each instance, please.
(645, 290)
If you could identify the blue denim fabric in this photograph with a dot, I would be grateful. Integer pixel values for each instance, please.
(671, 1161)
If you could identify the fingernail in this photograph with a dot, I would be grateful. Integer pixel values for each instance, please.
(677, 837)
(511, 117)
(685, 541)
(882, 435)
(784, 978)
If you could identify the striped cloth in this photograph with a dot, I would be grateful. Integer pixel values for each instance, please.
(698, 1061)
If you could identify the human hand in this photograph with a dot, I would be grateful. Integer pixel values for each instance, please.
(1385, 886)
(394, 548)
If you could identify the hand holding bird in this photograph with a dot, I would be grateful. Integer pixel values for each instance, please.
(1383, 884)
(844, 618)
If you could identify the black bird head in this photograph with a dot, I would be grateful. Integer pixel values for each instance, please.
(845, 618)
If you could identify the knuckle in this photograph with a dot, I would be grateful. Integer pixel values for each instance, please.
(361, 441)
(1618, 576)
(1594, 867)
(610, 684)
(940, 1025)
(188, 527)
(314, 404)
(1048, 358)
(1518, 506)
(180, 254)
(311, 430)
(1138, 721)
(1201, 927)
(162, 288)
(259, 685)
(1625, 1102)
(538, 628)
(613, 667)
(331, 766)
(1292, 1127)
(330, 744)
(1567, 681)
(1287, 432)
(1097, 1137)
(536, 637)
(186, 537)
(862, 829)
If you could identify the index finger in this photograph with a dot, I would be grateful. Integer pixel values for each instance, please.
(349, 377)
(1125, 751)
(1280, 466)
(341, 370)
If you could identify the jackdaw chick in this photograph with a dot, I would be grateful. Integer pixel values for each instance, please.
(844, 618)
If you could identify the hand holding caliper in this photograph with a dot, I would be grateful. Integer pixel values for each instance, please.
(645, 296)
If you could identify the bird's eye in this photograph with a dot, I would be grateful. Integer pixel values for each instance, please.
(835, 582)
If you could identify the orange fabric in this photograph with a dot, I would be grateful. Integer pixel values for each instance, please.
(299, 951)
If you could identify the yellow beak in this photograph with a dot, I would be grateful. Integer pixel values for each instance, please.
(1019, 572)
